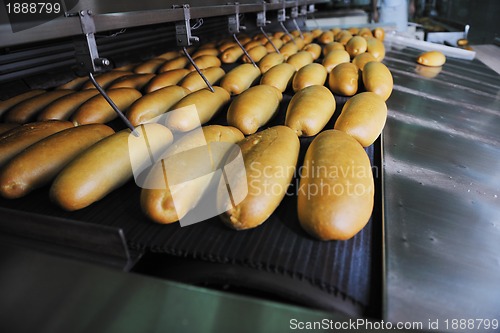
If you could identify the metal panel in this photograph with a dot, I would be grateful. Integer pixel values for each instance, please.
(123, 17)
(442, 188)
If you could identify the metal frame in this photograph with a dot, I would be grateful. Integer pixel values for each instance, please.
(65, 27)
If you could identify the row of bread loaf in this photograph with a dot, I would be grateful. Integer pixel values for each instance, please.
(310, 109)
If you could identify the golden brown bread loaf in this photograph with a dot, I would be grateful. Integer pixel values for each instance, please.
(254, 108)
(362, 59)
(312, 74)
(11, 102)
(363, 117)
(314, 49)
(64, 107)
(376, 48)
(356, 45)
(5, 127)
(158, 204)
(331, 47)
(205, 61)
(240, 78)
(326, 37)
(379, 33)
(176, 63)
(98, 111)
(276, 42)
(28, 110)
(169, 55)
(207, 105)
(105, 79)
(150, 66)
(335, 196)
(343, 79)
(432, 59)
(270, 158)
(194, 82)
(14, 141)
(231, 55)
(205, 51)
(135, 81)
(300, 59)
(38, 164)
(154, 104)
(256, 53)
(269, 61)
(107, 165)
(288, 49)
(378, 79)
(165, 79)
(280, 76)
(310, 110)
(335, 57)
(74, 84)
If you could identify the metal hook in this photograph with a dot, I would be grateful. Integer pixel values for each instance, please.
(269, 40)
(282, 18)
(184, 49)
(244, 50)
(113, 105)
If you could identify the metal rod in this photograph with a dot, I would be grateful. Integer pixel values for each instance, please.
(287, 33)
(184, 49)
(297, 27)
(244, 50)
(113, 105)
(269, 40)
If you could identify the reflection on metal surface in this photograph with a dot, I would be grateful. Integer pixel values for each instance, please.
(442, 192)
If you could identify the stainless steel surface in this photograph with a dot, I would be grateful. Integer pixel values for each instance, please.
(442, 193)
(47, 294)
(128, 14)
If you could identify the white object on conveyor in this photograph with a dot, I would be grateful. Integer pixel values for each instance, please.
(448, 51)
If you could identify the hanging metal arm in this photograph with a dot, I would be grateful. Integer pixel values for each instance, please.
(294, 14)
(185, 39)
(261, 23)
(281, 19)
(88, 59)
(234, 27)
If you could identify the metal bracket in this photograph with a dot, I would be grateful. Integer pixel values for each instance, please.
(233, 21)
(183, 28)
(294, 14)
(86, 53)
(261, 17)
(282, 18)
(87, 57)
(185, 39)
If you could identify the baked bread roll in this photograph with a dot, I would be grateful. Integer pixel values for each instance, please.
(98, 111)
(280, 76)
(270, 158)
(254, 108)
(154, 104)
(310, 75)
(240, 78)
(269, 61)
(107, 165)
(310, 110)
(432, 58)
(63, 108)
(135, 81)
(207, 105)
(166, 79)
(28, 109)
(14, 141)
(335, 57)
(378, 79)
(11, 102)
(335, 196)
(300, 59)
(105, 79)
(194, 82)
(189, 152)
(38, 164)
(363, 117)
(343, 79)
